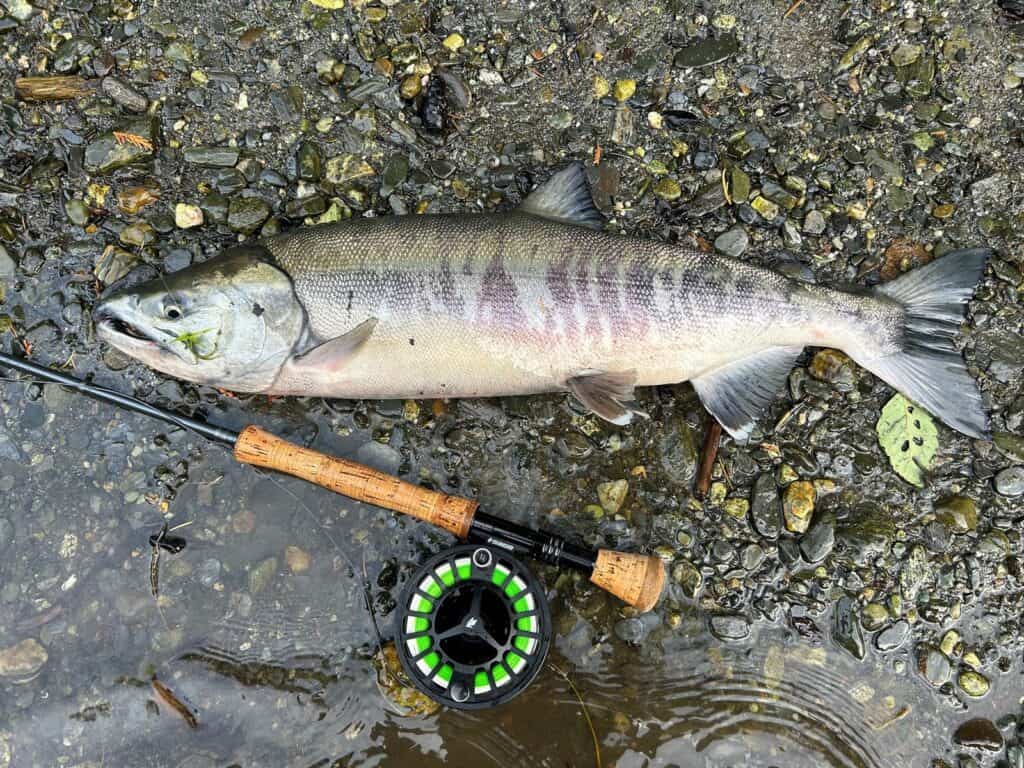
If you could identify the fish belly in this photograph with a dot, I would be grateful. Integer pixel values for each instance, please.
(504, 304)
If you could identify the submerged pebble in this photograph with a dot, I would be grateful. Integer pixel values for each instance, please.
(1010, 481)
(979, 733)
(730, 627)
(21, 662)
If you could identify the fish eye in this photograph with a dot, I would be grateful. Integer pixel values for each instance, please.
(172, 312)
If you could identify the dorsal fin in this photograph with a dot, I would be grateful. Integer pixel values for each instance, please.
(565, 197)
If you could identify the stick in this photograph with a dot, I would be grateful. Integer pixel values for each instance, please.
(707, 460)
(52, 88)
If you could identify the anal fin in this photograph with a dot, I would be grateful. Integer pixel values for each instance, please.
(738, 393)
(333, 354)
(606, 394)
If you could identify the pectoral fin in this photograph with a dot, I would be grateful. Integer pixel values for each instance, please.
(738, 393)
(606, 394)
(332, 355)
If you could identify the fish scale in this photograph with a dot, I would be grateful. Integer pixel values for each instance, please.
(534, 300)
(589, 300)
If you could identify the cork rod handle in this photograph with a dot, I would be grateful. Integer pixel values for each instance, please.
(260, 448)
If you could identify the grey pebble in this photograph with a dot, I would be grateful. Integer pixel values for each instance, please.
(891, 638)
(732, 242)
(6, 533)
(814, 223)
(1010, 481)
(730, 627)
(7, 265)
(124, 95)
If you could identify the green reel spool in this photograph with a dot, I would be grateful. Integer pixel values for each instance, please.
(473, 627)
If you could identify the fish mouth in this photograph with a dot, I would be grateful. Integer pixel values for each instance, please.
(117, 329)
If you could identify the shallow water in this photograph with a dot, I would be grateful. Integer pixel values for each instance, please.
(282, 672)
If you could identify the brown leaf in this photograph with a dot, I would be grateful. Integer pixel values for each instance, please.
(902, 255)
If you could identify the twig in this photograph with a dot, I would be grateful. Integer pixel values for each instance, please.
(792, 8)
(707, 460)
(586, 713)
(175, 703)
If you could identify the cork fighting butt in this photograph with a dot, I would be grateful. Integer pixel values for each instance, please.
(635, 579)
(260, 448)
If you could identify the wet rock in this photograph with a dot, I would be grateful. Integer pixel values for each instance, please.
(933, 665)
(797, 506)
(874, 616)
(906, 54)
(891, 638)
(979, 733)
(187, 216)
(6, 533)
(124, 95)
(138, 235)
(212, 157)
(707, 52)
(261, 576)
(21, 10)
(77, 211)
(247, 214)
(814, 223)
(667, 189)
(298, 560)
(71, 52)
(732, 242)
(915, 571)
(20, 663)
(308, 161)
(846, 628)
(7, 264)
(834, 367)
(113, 264)
(612, 495)
(679, 452)
(131, 145)
(766, 506)
(208, 572)
(688, 577)
(935, 537)
(958, 513)
(395, 686)
(345, 168)
(753, 556)
(434, 106)
(379, 456)
(730, 627)
(973, 683)
(817, 543)
(1010, 481)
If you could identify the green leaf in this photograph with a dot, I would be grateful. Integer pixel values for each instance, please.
(908, 437)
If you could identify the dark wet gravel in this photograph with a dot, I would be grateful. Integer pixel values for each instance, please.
(841, 144)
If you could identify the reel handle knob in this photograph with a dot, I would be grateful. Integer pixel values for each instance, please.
(262, 449)
(635, 579)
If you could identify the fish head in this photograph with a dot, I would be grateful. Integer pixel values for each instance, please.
(231, 321)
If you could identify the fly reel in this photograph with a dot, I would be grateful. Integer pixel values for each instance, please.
(473, 627)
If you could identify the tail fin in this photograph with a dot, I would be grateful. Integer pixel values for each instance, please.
(930, 370)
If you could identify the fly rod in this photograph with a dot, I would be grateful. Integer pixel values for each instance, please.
(636, 579)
